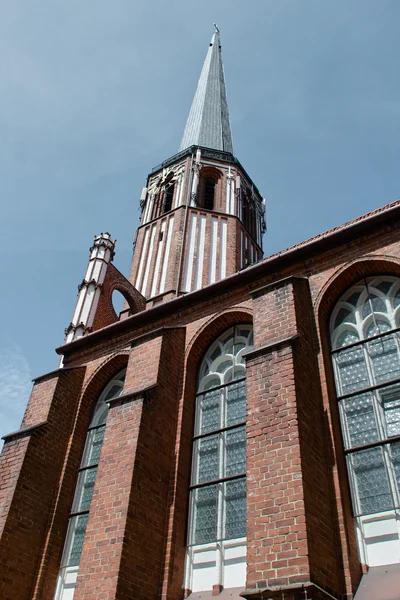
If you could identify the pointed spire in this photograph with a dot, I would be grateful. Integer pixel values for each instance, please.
(208, 122)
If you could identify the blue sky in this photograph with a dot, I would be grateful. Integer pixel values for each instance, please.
(94, 93)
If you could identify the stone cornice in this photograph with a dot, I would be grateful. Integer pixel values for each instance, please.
(275, 284)
(131, 396)
(267, 348)
(23, 432)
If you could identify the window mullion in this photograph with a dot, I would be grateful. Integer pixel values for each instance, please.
(387, 453)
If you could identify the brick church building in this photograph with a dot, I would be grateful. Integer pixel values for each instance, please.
(235, 430)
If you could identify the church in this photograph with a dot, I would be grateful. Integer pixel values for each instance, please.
(235, 431)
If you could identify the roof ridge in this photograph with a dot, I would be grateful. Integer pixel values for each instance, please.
(329, 232)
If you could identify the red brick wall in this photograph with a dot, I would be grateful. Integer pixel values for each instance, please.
(32, 477)
(124, 550)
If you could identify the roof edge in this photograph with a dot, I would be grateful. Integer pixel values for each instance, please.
(306, 249)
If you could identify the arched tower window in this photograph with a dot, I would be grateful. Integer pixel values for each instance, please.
(365, 342)
(217, 522)
(207, 193)
(84, 489)
(168, 197)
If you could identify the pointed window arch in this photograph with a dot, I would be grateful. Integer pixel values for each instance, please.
(364, 333)
(217, 521)
(84, 490)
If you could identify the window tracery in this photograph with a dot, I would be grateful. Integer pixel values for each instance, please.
(366, 358)
(218, 487)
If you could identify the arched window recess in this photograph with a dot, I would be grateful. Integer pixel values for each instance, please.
(84, 490)
(217, 519)
(365, 345)
(207, 187)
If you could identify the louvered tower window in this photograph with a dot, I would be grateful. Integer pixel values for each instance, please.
(84, 490)
(209, 193)
(217, 523)
(366, 359)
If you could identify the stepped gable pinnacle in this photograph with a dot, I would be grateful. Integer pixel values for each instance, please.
(208, 122)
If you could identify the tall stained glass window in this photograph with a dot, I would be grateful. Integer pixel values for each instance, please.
(84, 490)
(218, 485)
(364, 329)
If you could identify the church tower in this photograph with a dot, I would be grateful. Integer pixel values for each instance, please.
(202, 216)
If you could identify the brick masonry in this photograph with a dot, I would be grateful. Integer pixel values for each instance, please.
(300, 528)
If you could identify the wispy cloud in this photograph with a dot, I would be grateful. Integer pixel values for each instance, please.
(15, 387)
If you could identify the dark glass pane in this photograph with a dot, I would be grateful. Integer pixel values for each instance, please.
(352, 370)
(360, 420)
(208, 459)
(371, 481)
(384, 286)
(209, 191)
(344, 316)
(235, 509)
(353, 299)
(84, 490)
(235, 403)
(168, 197)
(235, 451)
(205, 515)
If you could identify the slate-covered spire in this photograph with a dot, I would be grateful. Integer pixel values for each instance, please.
(208, 122)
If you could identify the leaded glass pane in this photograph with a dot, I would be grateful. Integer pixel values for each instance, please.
(76, 535)
(352, 370)
(373, 304)
(94, 442)
(210, 411)
(84, 490)
(239, 372)
(395, 451)
(360, 420)
(235, 509)
(235, 403)
(205, 514)
(235, 451)
(346, 338)
(224, 366)
(207, 459)
(371, 481)
(390, 398)
(385, 359)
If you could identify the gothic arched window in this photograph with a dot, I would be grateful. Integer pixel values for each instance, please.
(84, 489)
(364, 331)
(168, 197)
(217, 523)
